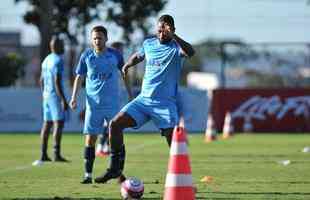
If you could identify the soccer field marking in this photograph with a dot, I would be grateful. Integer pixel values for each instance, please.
(28, 166)
(141, 146)
(18, 168)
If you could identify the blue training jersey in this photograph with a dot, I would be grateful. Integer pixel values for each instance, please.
(102, 77)
(52, 66)
(162, 70)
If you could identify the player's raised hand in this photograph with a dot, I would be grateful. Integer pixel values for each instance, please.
(73, 104)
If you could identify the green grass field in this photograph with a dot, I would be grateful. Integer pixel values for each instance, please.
(243, 167)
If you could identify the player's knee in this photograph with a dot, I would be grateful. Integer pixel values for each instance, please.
(59, 124)
(115, 125)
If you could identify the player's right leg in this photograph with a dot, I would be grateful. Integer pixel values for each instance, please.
(92, 128)
(89, 157)
(58, 116)
(45, 130)
(118, 153)
(46, 127)
(131, 115)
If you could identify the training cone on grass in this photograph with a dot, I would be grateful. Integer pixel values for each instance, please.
(228, 127)
(179, 182)
(210, 134)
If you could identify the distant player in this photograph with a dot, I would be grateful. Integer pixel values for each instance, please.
(101, 66)
(102, 148)
(54, 101)
(157, 100)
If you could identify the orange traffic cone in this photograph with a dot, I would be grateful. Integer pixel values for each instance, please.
(210, 134)
(228, 127)
(179, 183)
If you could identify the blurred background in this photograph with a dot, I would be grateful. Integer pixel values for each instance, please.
(240, 45)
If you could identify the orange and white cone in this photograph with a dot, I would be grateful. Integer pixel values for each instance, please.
(210, 134)
(179, 182)
(228, 127)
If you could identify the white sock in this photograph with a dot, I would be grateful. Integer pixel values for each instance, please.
(88, 175)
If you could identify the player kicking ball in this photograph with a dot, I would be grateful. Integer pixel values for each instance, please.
(157, 100)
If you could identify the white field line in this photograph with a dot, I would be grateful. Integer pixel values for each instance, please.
(28, 166)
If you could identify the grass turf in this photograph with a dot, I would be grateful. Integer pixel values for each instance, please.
(244, 167)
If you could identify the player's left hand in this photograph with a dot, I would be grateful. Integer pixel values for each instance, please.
(64, 105)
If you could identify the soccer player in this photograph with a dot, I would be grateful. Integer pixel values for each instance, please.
(157, 100)
(102, 149)
(54, 101)
(101, 66)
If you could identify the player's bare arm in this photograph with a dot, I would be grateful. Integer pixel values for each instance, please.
(132, 61)
(187, 49)
(127, 86)
(60, 92)
(76, 86)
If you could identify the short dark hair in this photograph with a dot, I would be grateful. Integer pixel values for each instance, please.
(56, 44)
(101, 29)
(167, 19)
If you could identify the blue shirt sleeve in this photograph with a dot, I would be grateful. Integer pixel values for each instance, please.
(59, 66)
(120, 60)
(179, 50)
(81, 68)
(180, 105)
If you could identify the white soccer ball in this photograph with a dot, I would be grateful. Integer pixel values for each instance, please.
(132, 189)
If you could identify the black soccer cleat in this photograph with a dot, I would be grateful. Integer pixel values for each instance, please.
(45, 158)
(60, 159)
(121, 179)
(87, 180)
(108, 175)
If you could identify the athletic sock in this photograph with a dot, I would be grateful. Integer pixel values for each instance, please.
(43, 151)
(89, 156)
(56, 151)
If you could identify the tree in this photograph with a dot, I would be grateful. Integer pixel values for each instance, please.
(134, 16)
(70, 17)
(11, 68)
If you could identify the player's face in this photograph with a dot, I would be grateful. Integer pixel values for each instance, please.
(164, 32)
(98, 40)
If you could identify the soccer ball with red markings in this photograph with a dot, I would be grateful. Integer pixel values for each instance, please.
(132, 189)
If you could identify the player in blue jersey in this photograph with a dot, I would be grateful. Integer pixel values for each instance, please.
(101, 66)
(102, 149)
(157, 100)
(54, 101)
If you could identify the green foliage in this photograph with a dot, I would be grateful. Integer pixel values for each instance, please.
(134, 15)
(11, 68)
(130, 15)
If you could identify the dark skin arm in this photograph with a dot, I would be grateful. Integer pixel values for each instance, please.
(60, 92)
(127, 85)
(132, 61)
(186, 48)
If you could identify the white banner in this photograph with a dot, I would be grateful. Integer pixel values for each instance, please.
(21, 111)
